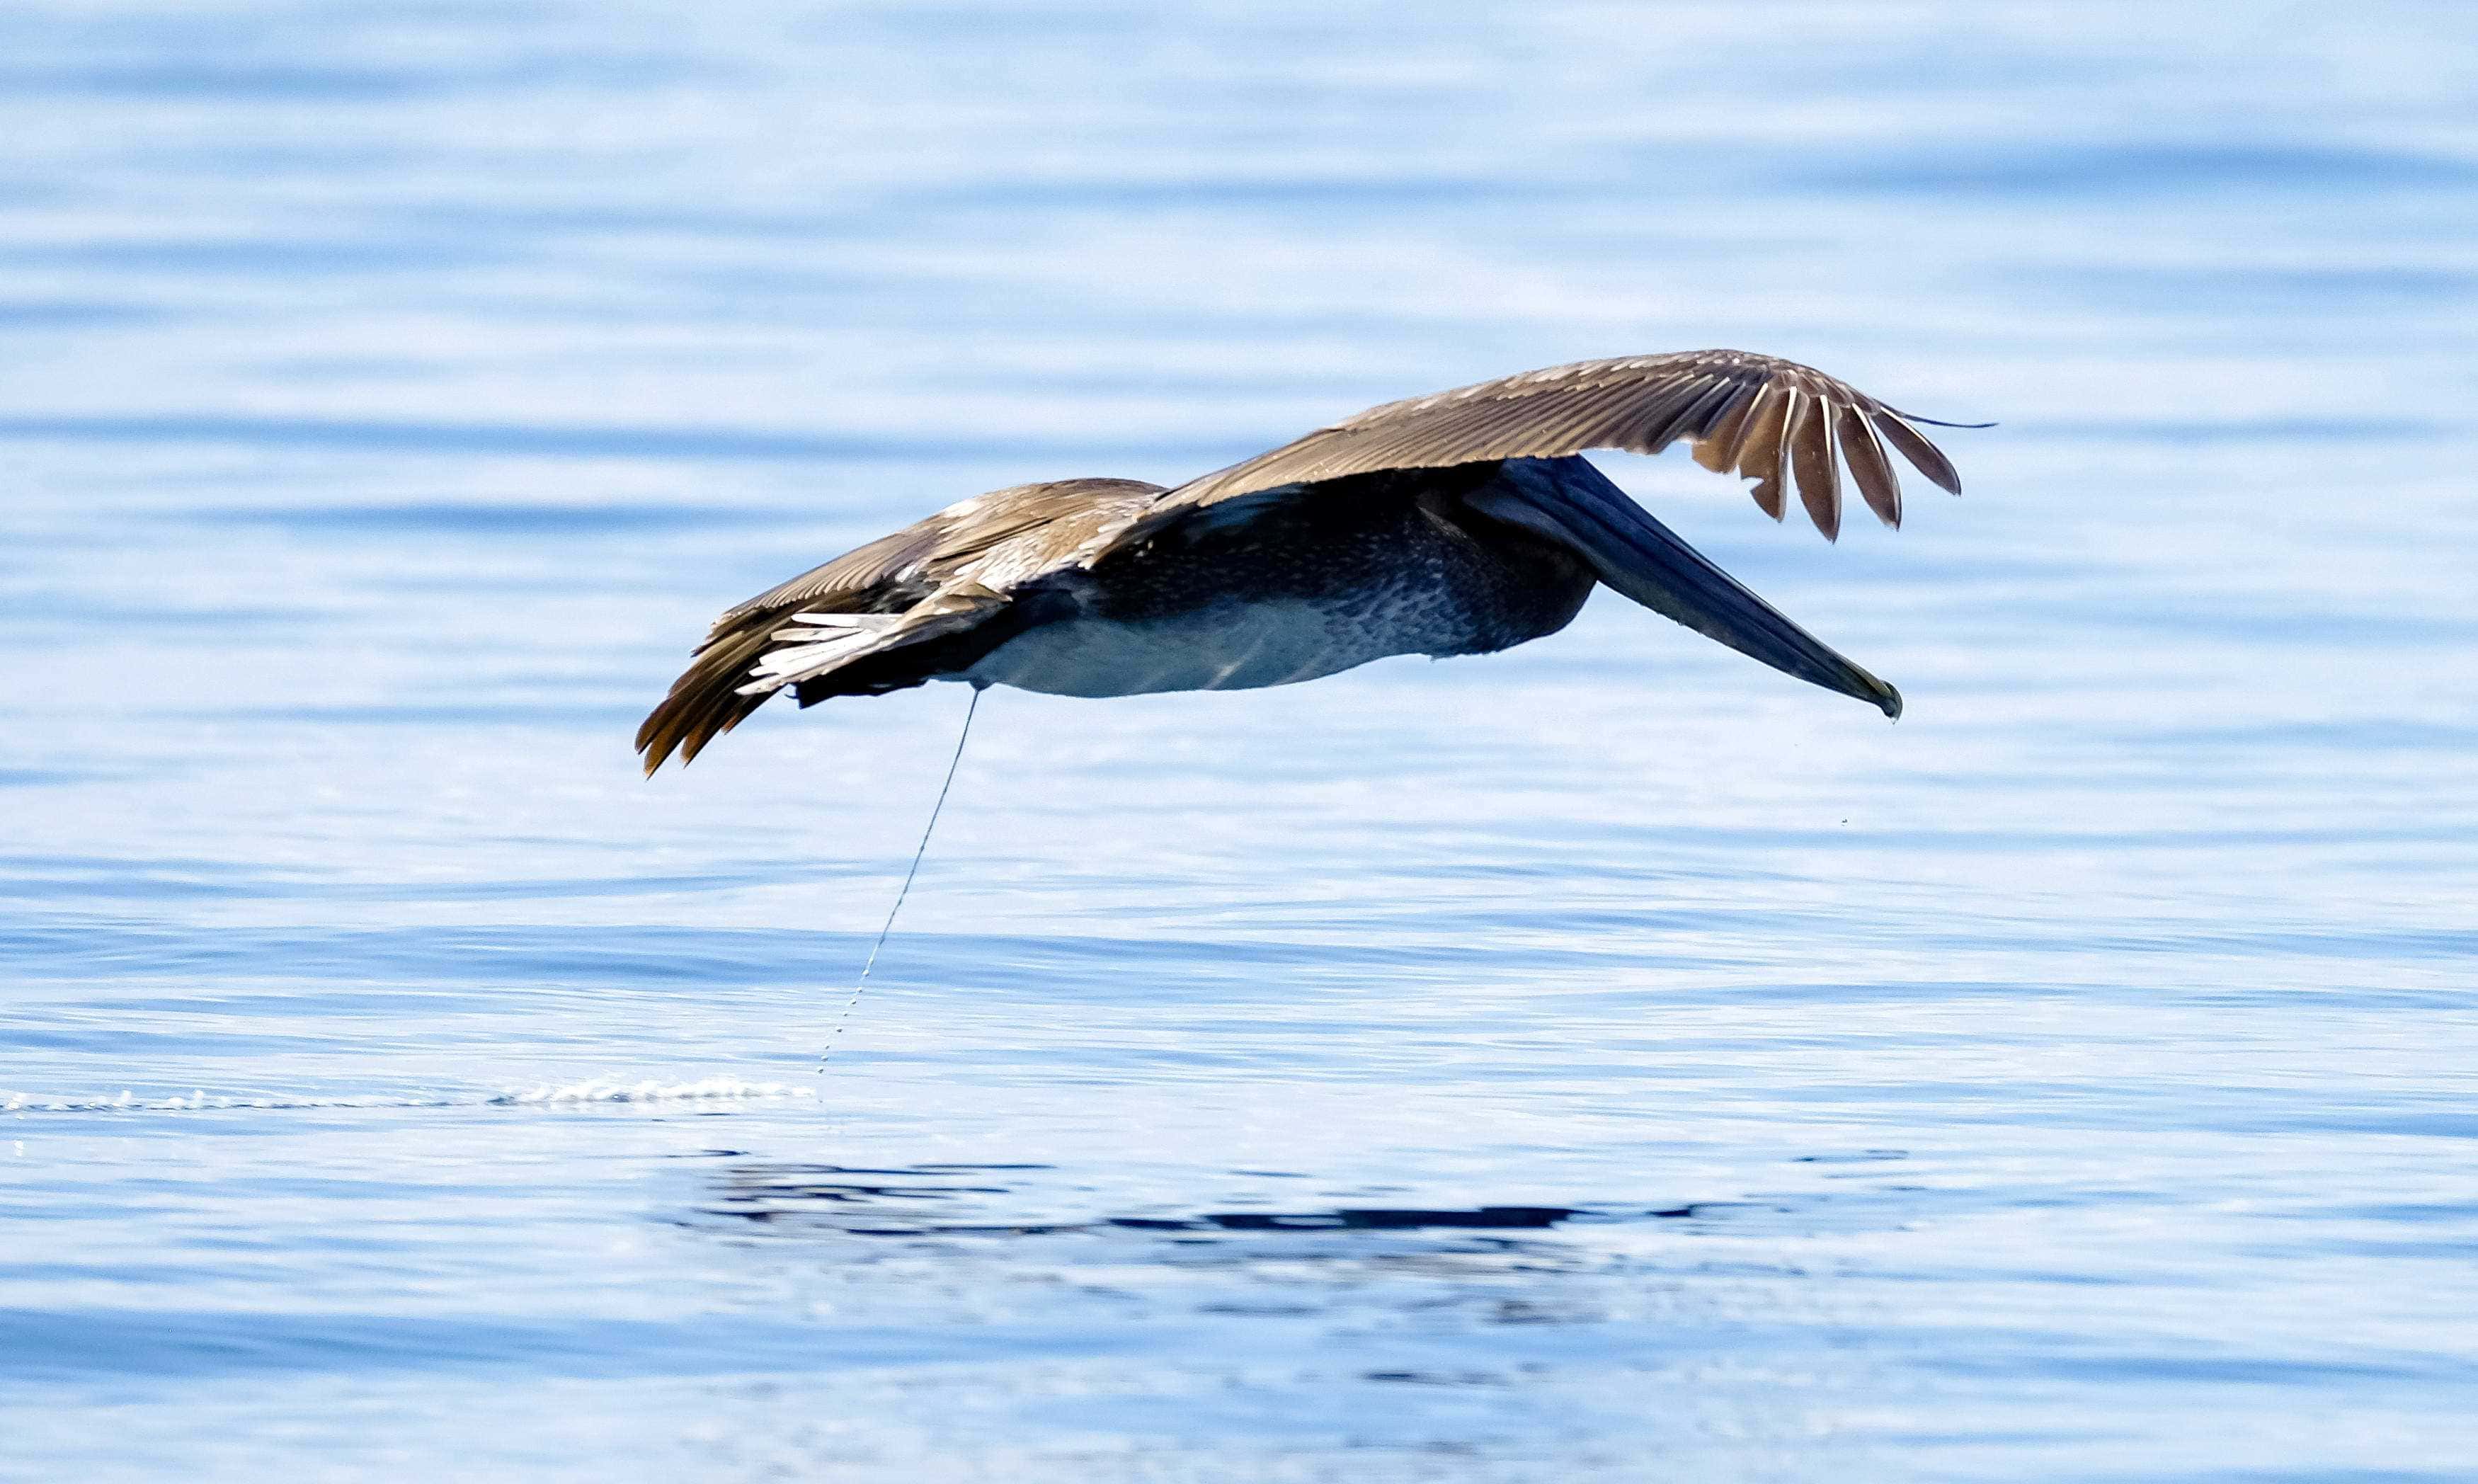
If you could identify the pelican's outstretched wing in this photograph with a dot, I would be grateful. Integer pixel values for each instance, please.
(1762, 418)
(1573, 504)
(931, 581)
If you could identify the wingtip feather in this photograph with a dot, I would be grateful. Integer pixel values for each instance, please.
(1924, 456)
(1869, 468)
(1811, 447)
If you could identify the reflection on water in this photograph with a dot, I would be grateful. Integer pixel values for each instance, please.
(844, 1201)
(1603, 1060)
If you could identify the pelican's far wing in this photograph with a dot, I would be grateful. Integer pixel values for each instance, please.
(923, 556)
(1570, 502)
(920, 583)
(1767, 420)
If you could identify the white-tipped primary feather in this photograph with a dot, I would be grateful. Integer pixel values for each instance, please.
(779, 667)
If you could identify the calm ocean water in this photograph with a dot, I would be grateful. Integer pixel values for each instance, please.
(1603, 1060)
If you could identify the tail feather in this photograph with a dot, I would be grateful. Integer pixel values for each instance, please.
(705, 702)
(752, 655)
(813, 644)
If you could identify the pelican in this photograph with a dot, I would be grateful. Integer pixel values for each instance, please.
(1464, 522)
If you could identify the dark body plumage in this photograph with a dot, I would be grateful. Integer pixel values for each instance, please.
(1460, 523)
(1395, 556)
(1385, 546)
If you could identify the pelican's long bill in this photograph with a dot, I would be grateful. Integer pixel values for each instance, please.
(1649, 563)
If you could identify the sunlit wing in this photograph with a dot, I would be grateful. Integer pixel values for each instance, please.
(983, 544)
(1771, 420)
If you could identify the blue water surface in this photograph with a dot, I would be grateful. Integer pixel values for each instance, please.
(1608, 1060)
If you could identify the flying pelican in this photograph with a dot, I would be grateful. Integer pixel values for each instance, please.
(1459, 524)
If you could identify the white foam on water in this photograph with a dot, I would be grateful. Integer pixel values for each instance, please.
(705, 1090)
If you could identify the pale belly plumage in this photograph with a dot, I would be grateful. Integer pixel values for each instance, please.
(1292, 596)
(1229, 646)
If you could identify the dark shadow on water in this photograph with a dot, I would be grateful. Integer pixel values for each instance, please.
(1356, 1218)
(952, 1201)
(971, 1200)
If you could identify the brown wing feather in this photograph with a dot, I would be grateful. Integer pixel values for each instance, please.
(1765, 418)
(1874, 472)
(1929, 459)
(997, 541)
(1760, 457)
(1719, 447)
(1810, 453)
